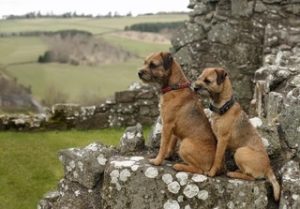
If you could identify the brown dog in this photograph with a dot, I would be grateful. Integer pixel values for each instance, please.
(182, 116)
(234, 131)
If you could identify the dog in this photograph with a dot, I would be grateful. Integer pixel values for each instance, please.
(182, 116)
(234, 131)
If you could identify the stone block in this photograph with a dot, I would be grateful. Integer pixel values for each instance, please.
(85, 165)
(290, 191)
(125, 96)
(130, 182)
(132, 139)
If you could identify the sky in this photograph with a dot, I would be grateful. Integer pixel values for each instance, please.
(94, 7)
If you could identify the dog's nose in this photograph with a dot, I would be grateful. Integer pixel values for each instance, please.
(140, 73)
(197, 87)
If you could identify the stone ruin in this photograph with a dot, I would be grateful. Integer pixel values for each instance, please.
(138, 104)
(258, 42)
(106, 177)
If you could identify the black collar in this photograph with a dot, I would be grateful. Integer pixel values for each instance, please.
(224, 108)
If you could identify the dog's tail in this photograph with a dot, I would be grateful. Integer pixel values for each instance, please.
(276, 187)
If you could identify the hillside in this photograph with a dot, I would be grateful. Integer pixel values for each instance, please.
(15, 97)
(84, 84)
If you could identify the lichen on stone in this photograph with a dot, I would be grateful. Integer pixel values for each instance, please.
(101, 159)
(174, 187)
(182, 178)
(171, 204)
(199, 178)
(124, 174)
(167, 178)
(151, 172)
(191, 190)
(202, 195)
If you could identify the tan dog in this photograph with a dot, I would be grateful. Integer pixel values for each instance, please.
(182, 116)
(234, 131)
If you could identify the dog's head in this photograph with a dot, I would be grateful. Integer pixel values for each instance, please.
(157, 68)
(210, 81)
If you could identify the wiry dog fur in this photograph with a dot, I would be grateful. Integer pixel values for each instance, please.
(182, 117)
(234, 131)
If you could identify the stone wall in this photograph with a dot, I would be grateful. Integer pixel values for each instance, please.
(138, 104)
(102, 177)
(258, 42)
(242, 36)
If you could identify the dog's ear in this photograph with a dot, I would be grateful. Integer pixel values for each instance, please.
(167, 59)
(221, 75)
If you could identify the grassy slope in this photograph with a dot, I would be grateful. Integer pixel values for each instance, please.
(29, 163)
(20, 49)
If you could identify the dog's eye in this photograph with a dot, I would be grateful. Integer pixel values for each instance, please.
(152, 65)
(207, 81)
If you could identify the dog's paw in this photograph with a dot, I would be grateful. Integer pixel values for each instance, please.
(155, 161)
(212, 172)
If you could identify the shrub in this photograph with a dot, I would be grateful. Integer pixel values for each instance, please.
(155, 27)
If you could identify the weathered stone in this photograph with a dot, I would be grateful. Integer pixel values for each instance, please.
(260, 7)
(270, 139)
(145, 94)
(290, 125)
(293, 97)
(272, 1)
(274, 107)
(125, 96)
(155, 134)
(290, 191)
(74, 195)
(65, 111)
(85, 165)
(132, 139)
(222, 33)
(241, 8)
(98, 120)
(49, 200)
(162, 193)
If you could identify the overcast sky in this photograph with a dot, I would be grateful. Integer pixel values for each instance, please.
(91, 6)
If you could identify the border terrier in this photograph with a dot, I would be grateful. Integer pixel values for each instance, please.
(182, 116)
(234, 131)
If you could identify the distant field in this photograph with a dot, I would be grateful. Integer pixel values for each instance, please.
(76, 81)
(19, 56)
(20, 49)
(29, 162)
(92, 25)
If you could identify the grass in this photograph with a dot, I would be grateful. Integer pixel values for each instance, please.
(20, 49)
(29, 163)
(76, 81)
(140, 48)
(94, 26)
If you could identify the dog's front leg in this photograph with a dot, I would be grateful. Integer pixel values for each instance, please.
(220, 152)
(164, 143)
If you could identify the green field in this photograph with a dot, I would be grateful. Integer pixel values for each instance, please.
(29, 162)
(19, 57)
(94, 26)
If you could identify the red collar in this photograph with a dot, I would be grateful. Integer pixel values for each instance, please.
(175, 87)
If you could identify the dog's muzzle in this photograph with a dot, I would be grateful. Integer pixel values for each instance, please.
(197, 88)
(140, 73)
